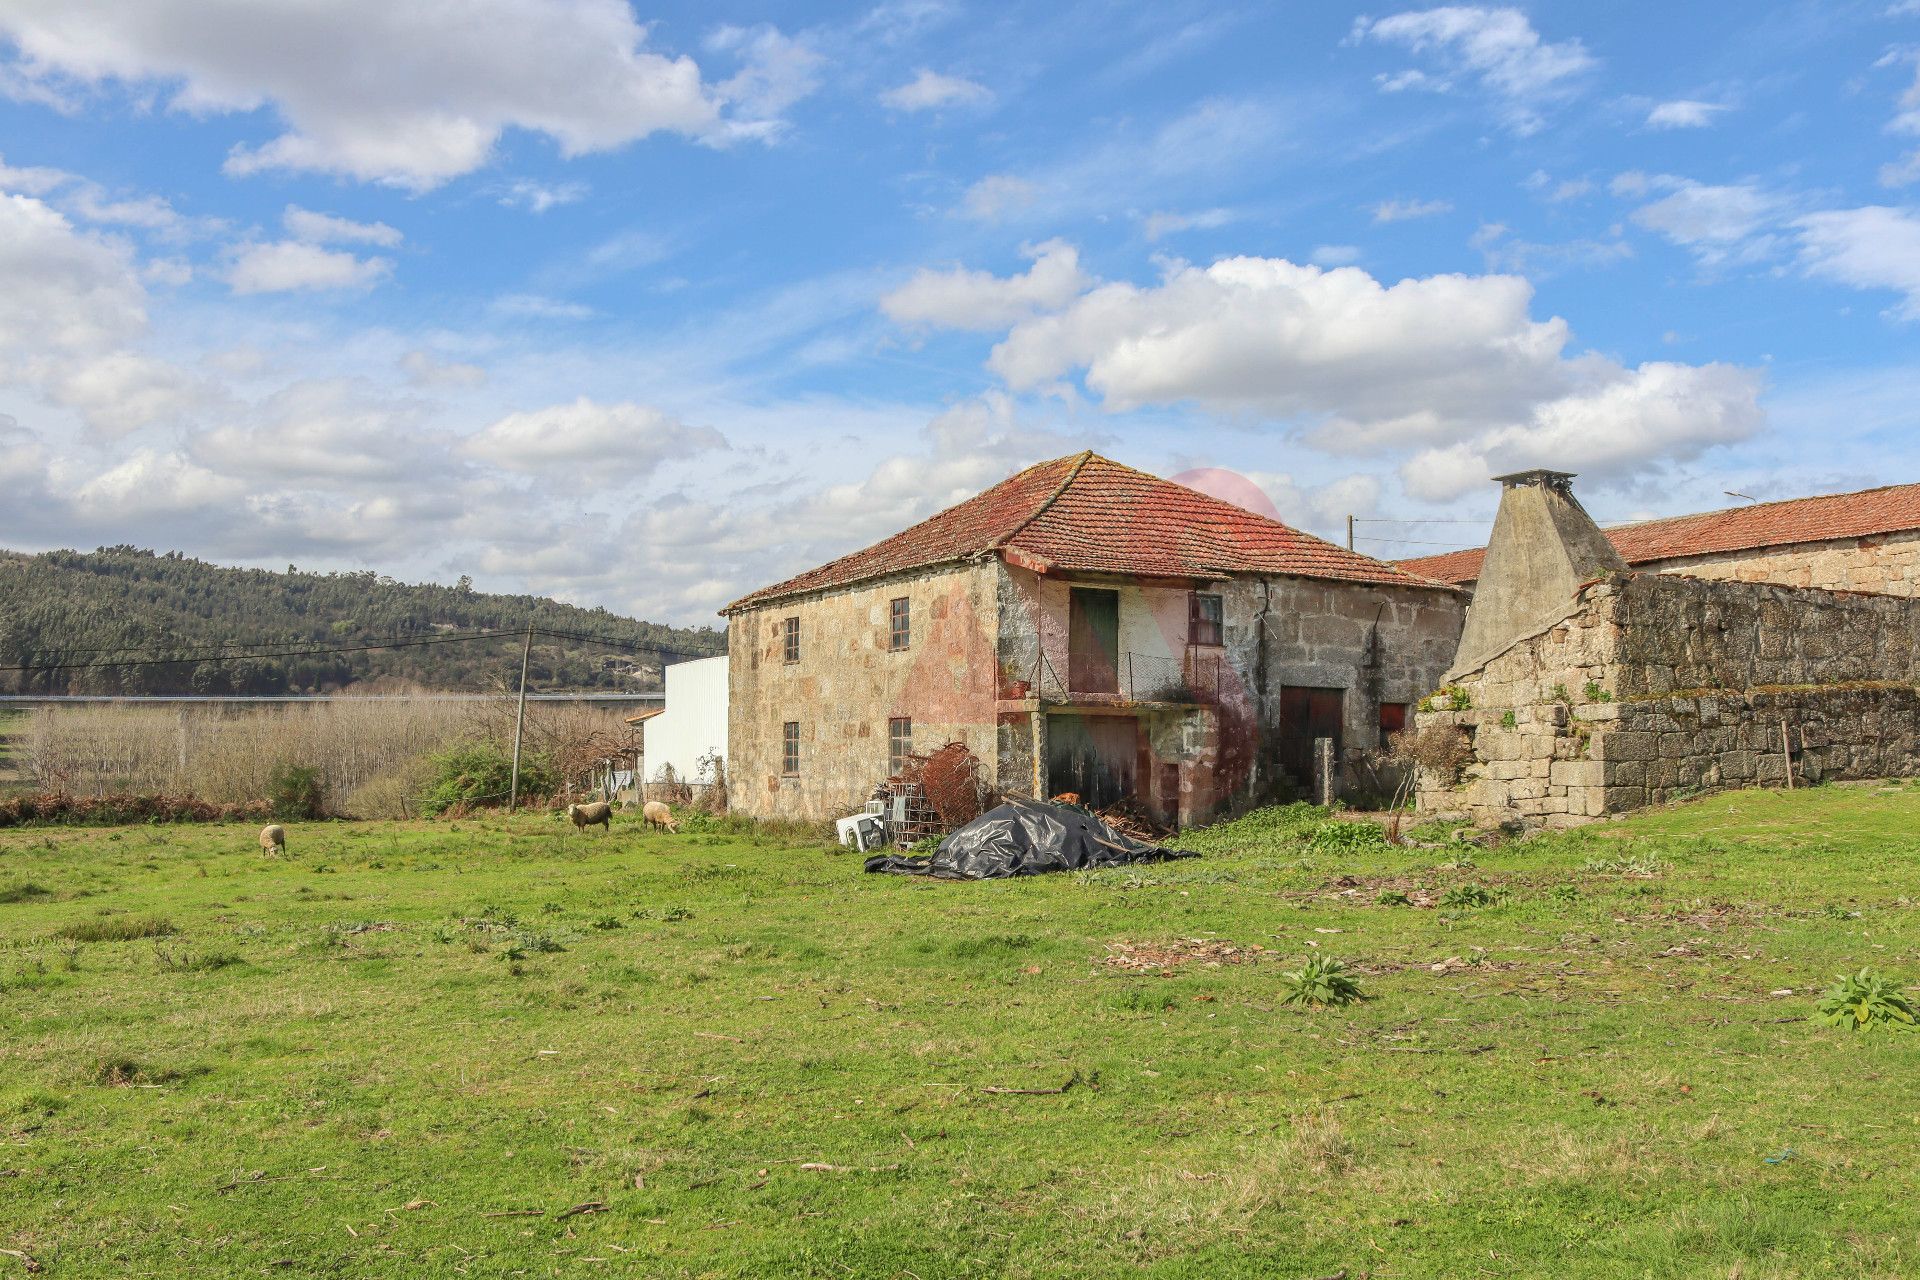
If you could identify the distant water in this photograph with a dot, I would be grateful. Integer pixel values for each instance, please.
(63, 699)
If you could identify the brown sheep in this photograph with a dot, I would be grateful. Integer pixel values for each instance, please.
(658, 815)
(599, 814)
(273, 839)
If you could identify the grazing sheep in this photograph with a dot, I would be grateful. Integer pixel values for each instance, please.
(599, 813)
(658, 815)
(273, 839)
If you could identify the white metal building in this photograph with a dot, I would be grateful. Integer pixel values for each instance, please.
(694, 724)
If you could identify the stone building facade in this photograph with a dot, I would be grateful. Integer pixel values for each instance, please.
(1649, 686)
(1083, 628)
(1888, 563)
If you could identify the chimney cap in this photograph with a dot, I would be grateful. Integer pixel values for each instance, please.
(1539, 476)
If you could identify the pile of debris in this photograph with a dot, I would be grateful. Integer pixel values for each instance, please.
(1164, 957)
(933, 795)
(1130, 819)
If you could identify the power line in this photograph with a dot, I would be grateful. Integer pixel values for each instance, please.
(632, 646)
(284, 649)
(1410, 542)
(250, 645)
(241, 657)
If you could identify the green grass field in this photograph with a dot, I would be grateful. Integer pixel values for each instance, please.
(411, 1049)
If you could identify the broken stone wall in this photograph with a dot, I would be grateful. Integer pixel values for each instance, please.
(1653, 686)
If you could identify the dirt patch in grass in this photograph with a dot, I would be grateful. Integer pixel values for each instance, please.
(1165, 957)
(121, 1072)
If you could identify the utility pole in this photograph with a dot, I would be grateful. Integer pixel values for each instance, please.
(520, 723)
(1349, 533)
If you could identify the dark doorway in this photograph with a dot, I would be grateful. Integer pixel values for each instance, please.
(1095, 757)
(1093, 641)
(1306, 714)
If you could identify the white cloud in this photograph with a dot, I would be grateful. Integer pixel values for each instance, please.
(1717, 223)
(71, 319)
(66, 291)
(1903, 172)
(1161, 224)
(393, 90)
(1439, 362)
(325, 228)
(980, 300)
(931, 91)
(1302, 505)
(152, 482)
(1504, 251)
(589, 441)
(1406, 210)
(286, 266)
(999, 194)
(1683, 114)
(538, 197)
(325, 431)
(1411, 80)
(1874, 247)
(1542, 184)
(423, 369)
(1335, 255)
(1498, 46)
(32, 180)
(122, 391)
(533, 306)
(777, 72)
(1610, 429)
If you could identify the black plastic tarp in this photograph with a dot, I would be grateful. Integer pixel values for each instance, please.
(1026, 838)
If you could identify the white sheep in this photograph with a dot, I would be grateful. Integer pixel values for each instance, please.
(599, 813)
(273, 839)
(658, 815)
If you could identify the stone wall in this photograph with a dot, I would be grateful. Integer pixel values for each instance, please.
(847, 684)
(1885, 562)
(1654, 686)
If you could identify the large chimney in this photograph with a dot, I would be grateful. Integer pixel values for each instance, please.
(1544, 545)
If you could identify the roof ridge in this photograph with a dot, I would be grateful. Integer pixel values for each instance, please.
(1080, 460)
(1771, 502)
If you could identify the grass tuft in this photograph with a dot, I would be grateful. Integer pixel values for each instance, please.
(117, 929)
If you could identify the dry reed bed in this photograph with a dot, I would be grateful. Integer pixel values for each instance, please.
(372, 754)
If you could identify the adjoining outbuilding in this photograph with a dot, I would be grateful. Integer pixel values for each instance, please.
(1085, 628)
(1863, 541)
(1583, 688)
(681, 741)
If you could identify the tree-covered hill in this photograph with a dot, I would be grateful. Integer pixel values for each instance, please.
(119, 605)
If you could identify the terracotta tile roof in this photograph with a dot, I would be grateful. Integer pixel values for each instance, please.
(1089, 514)
(1893, 509)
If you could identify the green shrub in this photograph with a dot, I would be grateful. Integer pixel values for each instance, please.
(1858, 1001)
(477, 775)
(295, 793)
(1347, 837)
(1468, 895)
(1321, 982)
(1392, 898)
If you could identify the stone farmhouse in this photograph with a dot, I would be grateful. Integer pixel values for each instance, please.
(1082, 627)
(1865, 541)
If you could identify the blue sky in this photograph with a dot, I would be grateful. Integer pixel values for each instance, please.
(645, 307)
